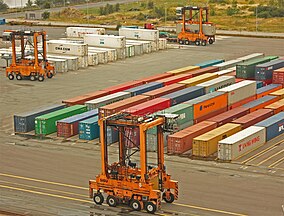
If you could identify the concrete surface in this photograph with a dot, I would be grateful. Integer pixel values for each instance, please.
(47, 177)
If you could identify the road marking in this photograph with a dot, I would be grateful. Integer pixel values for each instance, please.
(263, 153)
(270, 157)
(43, 181)
(208, 209)
(276, 163)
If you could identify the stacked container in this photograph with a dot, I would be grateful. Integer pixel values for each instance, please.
(198, 72)
(175, 79)
(183, 70)
(264, 72)
(89, 129)
(144, 88)
(79, 32)
(277, 106)
(278, 76)
(199, 79)
(228, 64)
(80, 100)
(251, 56)
(218, 83)
(278, 93)
(265, 90)
(164, 90)
(156, 78)
(260, 103)
(210, 63)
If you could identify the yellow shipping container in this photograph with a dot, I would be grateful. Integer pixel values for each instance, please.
(279, 93)
(207, 144)
(183, 70)
(199, 79)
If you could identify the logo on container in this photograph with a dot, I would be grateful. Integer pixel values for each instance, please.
(248, 143)
(281, 127)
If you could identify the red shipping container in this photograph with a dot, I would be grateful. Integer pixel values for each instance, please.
(277, 107)
(155, 77)
(80, 100)
(149, 107)
(123, 86)
(67, 129)
(232, 73)
(210, 115)
(242, 102)
(278, 76)
(175, 79)
(121, 105)
(132, 137)
(229, 116)
(181, 141)
(201, 71)
(253, 118)
(239, 80)
(164, 90)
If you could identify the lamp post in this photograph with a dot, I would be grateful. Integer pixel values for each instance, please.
(87, 10)
(165, 13)
(256, 18)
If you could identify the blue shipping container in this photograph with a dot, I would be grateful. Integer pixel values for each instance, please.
(267, 88)
(185, 94)
(265, 71)
(274, 126)
(112, 135)
(144, 88)
(89, 129)
(259, 101)
(25, 122)
(259, 84)
(209, 63)
(80, 117)
(2, 21)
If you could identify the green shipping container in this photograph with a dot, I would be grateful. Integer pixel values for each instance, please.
(46, 124)
(246, 70)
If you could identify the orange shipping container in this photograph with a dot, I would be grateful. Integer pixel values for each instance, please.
(183, 70)
(278, 93)
(199, 79)
(265, 90)
(242, 102)
(277, 107)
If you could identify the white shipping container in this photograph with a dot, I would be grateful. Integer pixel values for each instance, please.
(138, 48)
(111, 41)
(224, 72)
(80, 31)
(121, 53)
(240, 91)
(61, 65)
(142, 34)
(251, 56)
(102, 56)
(93, 59)
(83, 61)
(112, 53)
(162, 43)
(67, 48)
(129, 51)
(72, 61)
(145, 44)
(240, 143)
(228, 64)
(102, 101)
(218, 83)
(154, 46)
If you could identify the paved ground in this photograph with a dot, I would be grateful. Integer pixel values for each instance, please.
(46, 177)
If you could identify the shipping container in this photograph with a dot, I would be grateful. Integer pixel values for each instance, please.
(241, 143)
(141, 34)
(109, 99)
(261, 92)
(112, 135)
(251, 57)
(207, 143)
(164, 90)
(138, 48)
(229, 116)
(240, 91)
(181, 141)
(151, 141)
(246, 70)
(228, 64)
(60, 65)
(67, 48)
(70, 126)
(260, 103)
(162, 43)
(146, 45)
(25, 122)
(80, 100)
(111, 53)
(201, 71)
(210, 115)
(123, 86)
(184, 95)
(46, 124)
(174, 79)
(209, 63)
(72, 61)
(78, 32)
(277, 106)
(89, 129)
(278, 76)
(217, 83)
(199, 79)
(149, 107)
(265, 71)
(144, 88)
(129, 51)
(259, 84)
(103, 57)
(183, 70)
(225, 72)
(111, 41)
(242, 102)
(274, 126)
(208, 103)
(121, 105)
(157, 77)
(278, 93)
(253, 118)
(83, 61)
(93, 59)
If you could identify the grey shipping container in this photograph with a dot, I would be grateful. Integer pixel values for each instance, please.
(274, 126)
(144, 88)
(185, 94)
(264, 71)
(25, 122)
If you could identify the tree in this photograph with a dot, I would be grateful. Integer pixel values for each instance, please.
(102, 11)
(29, 4)
(46, 15)
(117, 7)
(150, 5)
(3, 6)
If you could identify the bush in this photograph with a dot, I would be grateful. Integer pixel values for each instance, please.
(232, 11)
(150, 5)
(3, 6)
(46, 15)
(141, 17)
(269, 11)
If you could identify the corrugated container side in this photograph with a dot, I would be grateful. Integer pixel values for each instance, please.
(217, 83)
(144, 88)
(263, 91)
(253, 118)
(123, 86)
(210, 115)
(164, 90)
(277, 107)
(265, 71)
(199, 79)
(80, 100)
(278, 76)
(89, 129)
(279, 93)
(260, 103)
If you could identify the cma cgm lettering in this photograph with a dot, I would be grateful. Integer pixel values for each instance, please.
(63, 48)
(248, 143)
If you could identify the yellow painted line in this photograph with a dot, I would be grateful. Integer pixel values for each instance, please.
(270, 157)
(43, 181)
(276, 163)
(42, 188)
(263, 153)
(264, 150)
(209, 209)
(46, 194)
